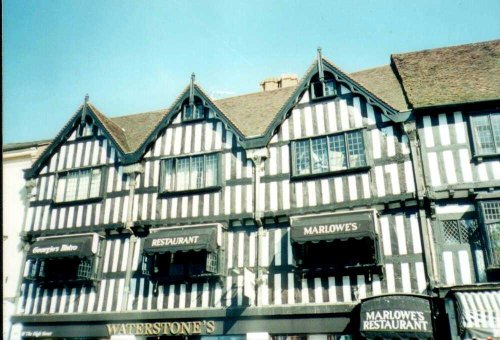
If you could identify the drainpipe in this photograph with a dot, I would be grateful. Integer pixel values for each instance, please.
(258, 156)
(410, 129)
(132, 171)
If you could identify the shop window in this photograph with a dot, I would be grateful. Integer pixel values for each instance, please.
(180, 265)
(337, 255)
(486, 133)
(190, 173)
(490, 220)
(63, 270)
(79, 185)
(329, 153)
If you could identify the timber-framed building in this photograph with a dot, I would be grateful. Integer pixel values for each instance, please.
(336, 206)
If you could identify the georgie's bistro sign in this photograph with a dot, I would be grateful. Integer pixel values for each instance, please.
(396, 314)
(54, 249)
(163, 328)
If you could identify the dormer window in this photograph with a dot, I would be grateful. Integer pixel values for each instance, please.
(323, 88)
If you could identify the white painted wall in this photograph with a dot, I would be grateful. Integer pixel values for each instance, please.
(14, 162)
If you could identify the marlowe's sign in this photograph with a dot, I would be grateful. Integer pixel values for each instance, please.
(395, 320)
(330, 228)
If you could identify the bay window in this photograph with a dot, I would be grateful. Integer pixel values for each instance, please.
(190, 173)
(328, 153)
(490, 218)
(79, 185)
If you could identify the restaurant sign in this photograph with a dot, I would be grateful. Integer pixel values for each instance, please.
(399, 314)
(163, 328)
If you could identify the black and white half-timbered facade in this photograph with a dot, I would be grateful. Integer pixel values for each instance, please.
(337, 206)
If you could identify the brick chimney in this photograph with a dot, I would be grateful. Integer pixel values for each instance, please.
(273, 83)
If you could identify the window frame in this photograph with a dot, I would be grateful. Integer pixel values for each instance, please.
(173, 190)
(312, 89)
(196, 105)
(293, 158)
(476, 148)
(99, 197)
(149, 266)
(491, 264)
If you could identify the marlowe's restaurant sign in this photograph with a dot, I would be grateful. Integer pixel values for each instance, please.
(395, 320)
(396, 313)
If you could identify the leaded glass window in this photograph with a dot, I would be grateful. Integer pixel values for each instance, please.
(190, 173)
(490, 211)
(486, 133)
(193, 112)
(330, 153)
(78, 185)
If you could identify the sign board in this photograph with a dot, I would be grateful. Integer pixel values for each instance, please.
(396, 316)
(181, 240)
(329, 227)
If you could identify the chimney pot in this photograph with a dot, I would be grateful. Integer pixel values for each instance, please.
(273, 83)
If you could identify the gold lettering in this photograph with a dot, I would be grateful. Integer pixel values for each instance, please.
(210, 327)
(197, 327)
(156, 328)
(175, 327)
(148, 328)
(139, 328)
(186, 328)
(113, 329)
(165, 328)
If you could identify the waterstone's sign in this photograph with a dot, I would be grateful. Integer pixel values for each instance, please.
(163, 328)
(174, 241)
(396, 314)
(333, 226)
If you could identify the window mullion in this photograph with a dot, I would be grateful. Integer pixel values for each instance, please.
(189, 170)
(492, 132)
(310, 156)
(204, 175)
(346, 144)
(328, 152)
(90, 182)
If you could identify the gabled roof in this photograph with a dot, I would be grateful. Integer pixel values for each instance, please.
(253, 113)
(450, 75)
(383, 82)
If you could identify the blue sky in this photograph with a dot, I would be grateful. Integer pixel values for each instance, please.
(135, 56)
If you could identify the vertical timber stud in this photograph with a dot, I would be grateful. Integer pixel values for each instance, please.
(320, 66)
(132, 171)
(410, 129)
(258, 156)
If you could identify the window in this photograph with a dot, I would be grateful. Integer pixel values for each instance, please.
(331, 153)
(86, 129)
(190, 173)
(486, 133)
(462, 231)
(193, 112)
(321, 89)
(490, 213)
(78, 185)
(62, 270)
(180, 265)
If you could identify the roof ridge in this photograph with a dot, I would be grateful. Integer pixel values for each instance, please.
(138, 113)
(447, 47)
(254, 93)
(370, 68)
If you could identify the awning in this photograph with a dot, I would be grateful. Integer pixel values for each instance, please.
(479, 314)
(61, 247)
(184, 239)
(330, 227)
(403, 316)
